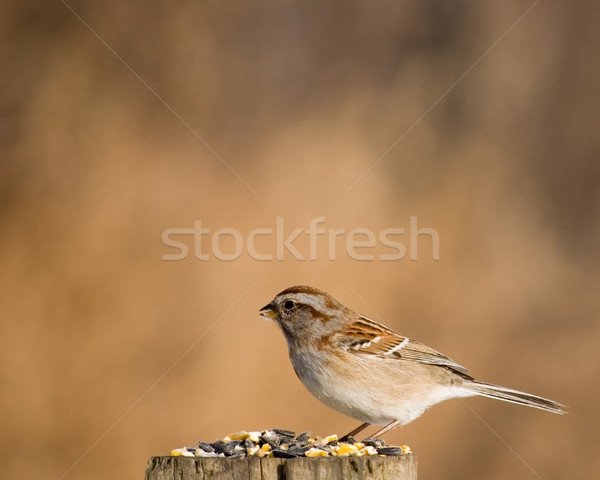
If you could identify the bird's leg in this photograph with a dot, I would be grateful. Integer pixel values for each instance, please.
(355, 431)
(387, 428)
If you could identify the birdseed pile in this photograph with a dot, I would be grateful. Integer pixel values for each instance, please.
(286, 444)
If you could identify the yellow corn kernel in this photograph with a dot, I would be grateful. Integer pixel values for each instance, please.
(330, 438)
(368, 450)
(263, 452)
(346, 449)
(315, 452)
(181, 452)
(254, 436)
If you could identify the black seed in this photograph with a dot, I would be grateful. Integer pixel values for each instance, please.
(239, 451)
(389, 451)
(270, 437)
(298, 451)
(218, 445)
(191, 449)
(228, 448)
(207, 447)
(284, 433)
(277, 452)
(374, 442)
(303, 438)
(247, 443)
(232, 445)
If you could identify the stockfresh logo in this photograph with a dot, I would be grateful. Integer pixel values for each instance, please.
(278, 243)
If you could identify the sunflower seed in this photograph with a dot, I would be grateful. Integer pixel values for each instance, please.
(389, 451)
(303, 438)
(373, 442)
(284, 433)
(279, 453)
(207, 447)
(298, 450)
(228, 448)
(270, 437)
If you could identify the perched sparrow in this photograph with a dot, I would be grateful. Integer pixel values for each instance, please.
(367, 371)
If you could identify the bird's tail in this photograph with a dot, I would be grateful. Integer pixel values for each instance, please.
(515, 396)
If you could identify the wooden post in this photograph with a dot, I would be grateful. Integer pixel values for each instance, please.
(402, 467)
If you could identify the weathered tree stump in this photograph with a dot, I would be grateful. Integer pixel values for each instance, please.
(252, 468)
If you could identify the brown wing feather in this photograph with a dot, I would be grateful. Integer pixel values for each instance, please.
(367, 337)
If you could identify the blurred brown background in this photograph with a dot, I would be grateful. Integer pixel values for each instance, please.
(299, 99)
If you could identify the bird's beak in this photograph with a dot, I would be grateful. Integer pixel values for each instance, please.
(268, 312)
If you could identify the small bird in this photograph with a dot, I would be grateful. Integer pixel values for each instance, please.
(367, 371)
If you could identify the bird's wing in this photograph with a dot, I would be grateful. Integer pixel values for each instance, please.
(367, 337)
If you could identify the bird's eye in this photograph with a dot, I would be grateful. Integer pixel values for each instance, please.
(288, 305)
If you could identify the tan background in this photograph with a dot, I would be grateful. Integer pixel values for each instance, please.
(299, 99)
